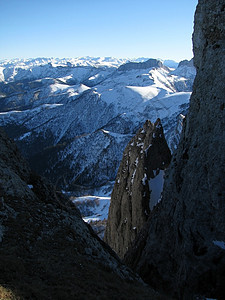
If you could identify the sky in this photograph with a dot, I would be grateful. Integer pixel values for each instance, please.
(118, 28)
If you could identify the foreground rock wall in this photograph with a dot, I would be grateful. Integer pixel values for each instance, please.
(46, 250)
(182, 248)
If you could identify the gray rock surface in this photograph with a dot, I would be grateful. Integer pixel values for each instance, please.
(182, 248)
(138, 186)
(46, 250)
(151, 63)
(186, 62)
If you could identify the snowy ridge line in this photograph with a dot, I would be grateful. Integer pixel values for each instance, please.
(92, 208)
(96, 112)
(78, 61)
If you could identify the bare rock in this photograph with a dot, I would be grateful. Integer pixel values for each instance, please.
(46, 250)
(182, 248)
(150, 63)
(138, 186)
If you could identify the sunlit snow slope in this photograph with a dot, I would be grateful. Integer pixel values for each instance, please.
(73, 118)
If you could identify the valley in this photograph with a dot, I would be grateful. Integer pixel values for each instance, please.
(72, 119)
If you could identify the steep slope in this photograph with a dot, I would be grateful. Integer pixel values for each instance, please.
(73, 121)
(138, 186)
(181, 250)
(47, 251)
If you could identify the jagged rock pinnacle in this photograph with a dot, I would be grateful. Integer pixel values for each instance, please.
(138, 185)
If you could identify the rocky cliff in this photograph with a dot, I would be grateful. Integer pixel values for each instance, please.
(46, 250)
(138, 186)
(150, 63)
(182, 248)
(188, 63)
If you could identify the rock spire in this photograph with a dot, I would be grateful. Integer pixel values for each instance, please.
(138, 186)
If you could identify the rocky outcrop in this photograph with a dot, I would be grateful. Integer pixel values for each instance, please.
(138, 186)
(46, 250)
(150, 63)
(177, 132)
(182, 248)
(184, 69)
(188, 63)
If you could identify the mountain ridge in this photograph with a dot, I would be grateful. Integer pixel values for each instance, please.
(73, 126)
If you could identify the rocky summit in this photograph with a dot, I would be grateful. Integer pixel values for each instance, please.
(138, 186)
(150, 63)
(181, 250)
(46, 250)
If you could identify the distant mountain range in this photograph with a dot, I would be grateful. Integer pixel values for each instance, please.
(72, 118)
(79, 61)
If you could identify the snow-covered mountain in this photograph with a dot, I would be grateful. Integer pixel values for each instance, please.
(72, 118)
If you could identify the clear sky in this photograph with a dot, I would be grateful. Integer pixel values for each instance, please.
(119, 28)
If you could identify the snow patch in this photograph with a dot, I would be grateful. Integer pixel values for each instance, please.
(156, 187)
(146, 92)
(105, 131)
(140, 145)
(25, 135)
(144, 179)
(220, 244)
(133, 175)
(136, 162)
(93, 208)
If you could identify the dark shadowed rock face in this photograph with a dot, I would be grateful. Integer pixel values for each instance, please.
(46, 250)
(182, 248)
(138, 186)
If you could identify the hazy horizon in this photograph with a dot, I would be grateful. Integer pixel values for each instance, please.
(120, 29)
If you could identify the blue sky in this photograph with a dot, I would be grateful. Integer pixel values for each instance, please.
(119, 28)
